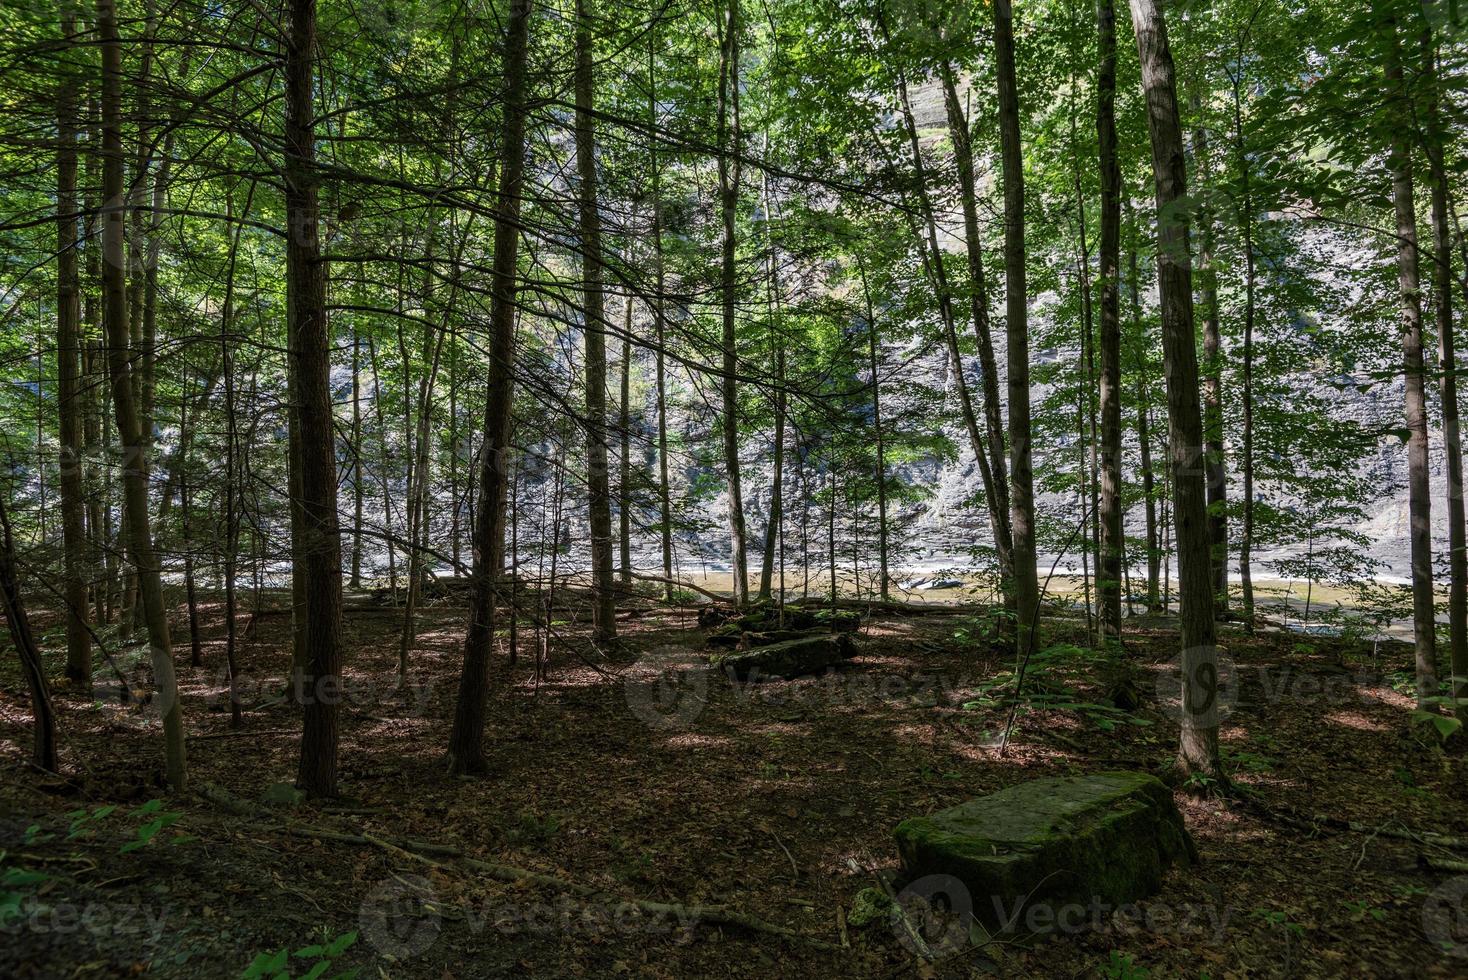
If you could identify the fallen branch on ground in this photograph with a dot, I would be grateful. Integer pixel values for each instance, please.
(425, 851)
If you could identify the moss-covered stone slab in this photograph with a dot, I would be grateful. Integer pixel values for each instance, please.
(1035, 855)
(792, 658)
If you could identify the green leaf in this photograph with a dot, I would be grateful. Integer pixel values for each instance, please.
(341, 943)
(265, 964)
(316, 970)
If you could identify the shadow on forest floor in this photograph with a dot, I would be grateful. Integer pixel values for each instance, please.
(662, 781)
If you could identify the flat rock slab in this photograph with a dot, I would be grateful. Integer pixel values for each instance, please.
(1051, 853)
(792, 658)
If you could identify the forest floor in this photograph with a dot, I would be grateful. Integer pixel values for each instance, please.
(628, 778)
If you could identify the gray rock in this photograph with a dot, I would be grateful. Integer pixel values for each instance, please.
(791, 658)
(1050, 853)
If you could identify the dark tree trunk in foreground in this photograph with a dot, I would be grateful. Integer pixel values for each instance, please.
(1021, 471)
(594, 330)
(43, 752)
(318, 552)
(1108, 574)
(125, 405)
(1419, 499)
(68, 368)
(466, 741)
(1199, 662)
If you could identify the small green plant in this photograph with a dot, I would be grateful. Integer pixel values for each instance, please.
(149, 829)
(1444, 726)
(1120, 966)
(84, 824)
(1047, 686)
(1360, 910)
(531, 829)
(15, 884)
(1248, 761)
(317, 958)
(1279, 920)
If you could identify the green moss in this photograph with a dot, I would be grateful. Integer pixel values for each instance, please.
(870, 905)
(1106, 838)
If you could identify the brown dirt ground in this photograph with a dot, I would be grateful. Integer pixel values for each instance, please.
(777, 800)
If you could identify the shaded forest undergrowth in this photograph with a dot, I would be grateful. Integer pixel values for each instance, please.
(643, 777)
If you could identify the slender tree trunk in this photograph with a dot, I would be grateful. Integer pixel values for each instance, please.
(1419, 499)
(233, 503)
(994, 493)
(1198, 749)
(1022, 477)
(729, 173)
(1442, 292)
(883, 587)
(43, 750)
(186, 517)
(1113, 540)
(963, 156)
(1213, 451)
(134, 471)
(466, 748)
(624, 481)
(68, 365)
(1246, 448)
(598, 483)
(777, 339)
(660, 328)
(356, 580)
(318, 552)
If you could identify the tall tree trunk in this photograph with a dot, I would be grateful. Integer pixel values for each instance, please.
(1198, 749)
(43, 750)
(1022, 477)
(357, 501)
(660, 329)
(1419, 499)
(1213, 452)
(884, 588)
(729, 173)
(624, 424)
(233, 502)
(1246, 379)
(777, 339)
(594, 330)
(466, 741)
(319, 549)
(963, 157)
(1442, 292)
(134, 470)
(68, 365)
(1113, 541)
(994, 493)
(1144, 437)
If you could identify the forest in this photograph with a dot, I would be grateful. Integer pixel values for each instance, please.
(769, 488)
